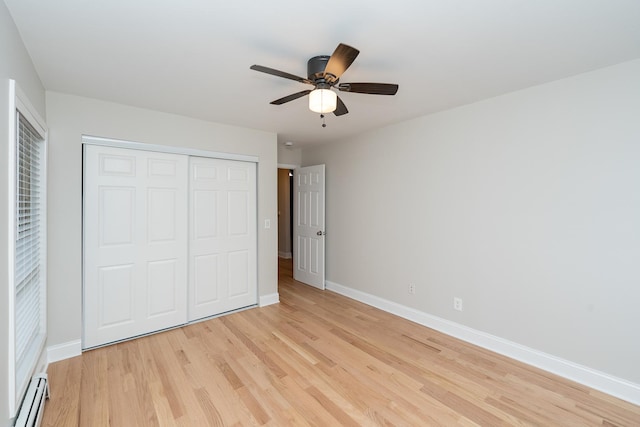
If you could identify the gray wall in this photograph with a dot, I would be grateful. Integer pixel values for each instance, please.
(289, 155)
(527, 206)
(15, 63)
(70, 117)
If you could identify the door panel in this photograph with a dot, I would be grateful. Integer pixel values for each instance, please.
(309, 226)
(238, 269)
(223, 236)
(162, 168)
(135, 234)
(204, 202)
(314, 256)
(206, 279)
(116, 295)
(117, 164)
(161, 215)
(161, 287)
(116, 215)
(238, 220)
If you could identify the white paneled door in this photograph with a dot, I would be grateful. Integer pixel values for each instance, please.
(168, 239)
(308, 225)
(222, 236)
(135, 236)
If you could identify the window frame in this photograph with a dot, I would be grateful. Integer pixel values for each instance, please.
(19, 103)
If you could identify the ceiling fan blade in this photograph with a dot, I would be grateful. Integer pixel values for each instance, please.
(290, 97)
(340, 60)
(279, 73)
(341, 109)
(369, 88)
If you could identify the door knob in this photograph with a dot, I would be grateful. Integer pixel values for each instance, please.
(320, 233)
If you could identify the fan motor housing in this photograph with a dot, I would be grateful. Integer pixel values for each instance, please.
(316, 67)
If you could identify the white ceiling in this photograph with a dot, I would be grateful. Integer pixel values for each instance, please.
(192, 57)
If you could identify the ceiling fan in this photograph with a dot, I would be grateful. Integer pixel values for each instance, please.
(324, 72)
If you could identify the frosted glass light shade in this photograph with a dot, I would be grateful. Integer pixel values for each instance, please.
(322, 101)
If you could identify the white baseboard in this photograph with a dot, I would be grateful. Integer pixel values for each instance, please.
(601, 381)
(43, 361)
(269, 299)
(63, 351)
(285, 255)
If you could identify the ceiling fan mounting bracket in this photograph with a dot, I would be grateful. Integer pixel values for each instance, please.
(322, 84)
(316, 67)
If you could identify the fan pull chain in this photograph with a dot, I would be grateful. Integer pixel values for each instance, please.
(324, 125)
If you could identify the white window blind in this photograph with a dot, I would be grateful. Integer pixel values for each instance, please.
(29, 270)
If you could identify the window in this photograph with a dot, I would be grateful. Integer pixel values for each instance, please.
(27, 163)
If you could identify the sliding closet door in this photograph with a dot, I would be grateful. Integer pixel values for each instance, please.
(222, 236)
(135, 237)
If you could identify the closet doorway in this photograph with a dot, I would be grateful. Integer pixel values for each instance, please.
(169, 238)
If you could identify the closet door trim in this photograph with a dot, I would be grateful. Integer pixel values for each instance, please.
(107, 142)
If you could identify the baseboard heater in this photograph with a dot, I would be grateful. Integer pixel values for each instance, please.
(30, 414)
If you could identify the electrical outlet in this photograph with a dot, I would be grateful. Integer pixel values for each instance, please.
(457, 303)
(412, 288)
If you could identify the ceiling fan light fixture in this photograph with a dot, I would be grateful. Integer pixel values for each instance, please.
(323, 101)
(324, 73)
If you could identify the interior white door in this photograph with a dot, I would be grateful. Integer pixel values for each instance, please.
(222, 236)
(308, 225)
(135, 243)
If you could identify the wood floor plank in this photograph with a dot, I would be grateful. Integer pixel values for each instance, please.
(93, 403)
(66, 392)
(315, 359)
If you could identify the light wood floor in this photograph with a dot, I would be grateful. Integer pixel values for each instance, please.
(320, 359)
